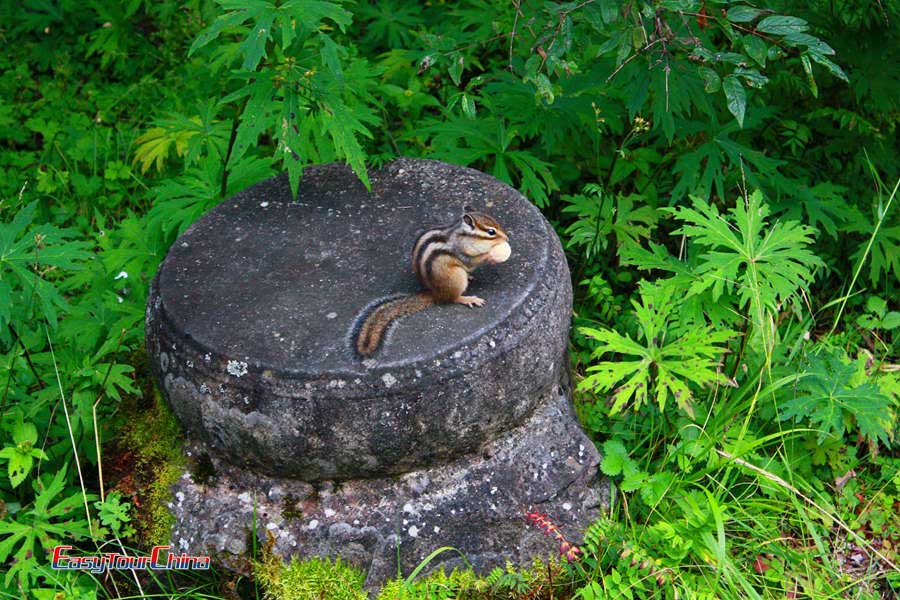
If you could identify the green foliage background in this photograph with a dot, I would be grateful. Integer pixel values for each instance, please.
(722, 175)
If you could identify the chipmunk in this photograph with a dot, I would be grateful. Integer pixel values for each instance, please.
(442, 259)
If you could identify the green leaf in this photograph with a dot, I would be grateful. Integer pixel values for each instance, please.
(751, 77)
(468, 106)
(26, 250)
(780, 25)
(615, 458)
(827, 397)
(19, 465)
(811, 42)
(876, 305)
(810, 80)
(254, 120)
(343, 126)
(675, 357)
(711, 80)
(755, 49)
(456, 68)
(734, 94)
(828, 64)
(254, 45)
(293, 19)
(765, 265)
(222, 23)
(331, 57)
(742, 14)
(891, 320)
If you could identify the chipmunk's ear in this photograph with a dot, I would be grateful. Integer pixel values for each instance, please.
(468, 220)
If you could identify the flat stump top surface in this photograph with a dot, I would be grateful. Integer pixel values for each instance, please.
(279, 283)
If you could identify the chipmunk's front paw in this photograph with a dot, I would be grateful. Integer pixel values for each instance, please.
(470, 301)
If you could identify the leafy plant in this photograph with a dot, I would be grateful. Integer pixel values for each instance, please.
(835, 396)
(115, 514)
(666, 357)
(21, 453)
(29, 253)
(50, 521)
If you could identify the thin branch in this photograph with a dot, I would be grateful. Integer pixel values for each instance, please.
(632, 57)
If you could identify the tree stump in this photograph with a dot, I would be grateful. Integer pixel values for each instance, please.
(447, 437)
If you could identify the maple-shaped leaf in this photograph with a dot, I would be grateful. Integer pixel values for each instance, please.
(663, 360)
(292, 20)
(29, 253)
(764, 265)
(831, 396)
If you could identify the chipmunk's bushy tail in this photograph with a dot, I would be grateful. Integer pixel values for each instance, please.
(371, 332)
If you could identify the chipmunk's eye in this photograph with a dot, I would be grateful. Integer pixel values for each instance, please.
(491, 231)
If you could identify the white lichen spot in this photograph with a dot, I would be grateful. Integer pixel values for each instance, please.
(405, 522)
(313, 524)
(271, 526)
(492, 344)
(457, 354)
(413, 531)
(567, 506)
(356, 521)
(184, 244)
(369, 363)
(190, 364)
(180, 497)
(264, 204)
(204, 389)
(245, 497)
(388, 379)
(331, 315)
(207, 357)
(437, 529)
(408, 507)
(493, 490)
(329, 513)
(183, 544)
(122, 275)
(236, 368)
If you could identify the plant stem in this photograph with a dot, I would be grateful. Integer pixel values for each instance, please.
(234, 129)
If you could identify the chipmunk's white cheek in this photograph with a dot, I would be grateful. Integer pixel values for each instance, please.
(500, 252)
